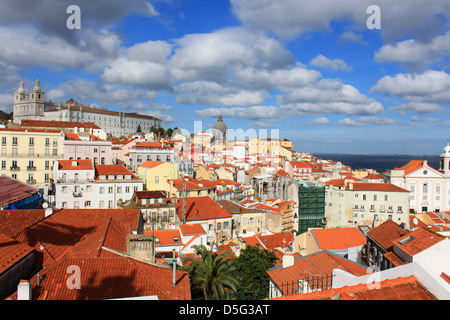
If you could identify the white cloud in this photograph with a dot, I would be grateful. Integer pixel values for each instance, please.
(362, 121)
(319, 121)
(350, 36)
(414, 52)
(419, 108)
(249, 113)
(290, 18)
(425, 90)
(334, 64)
(211, 93)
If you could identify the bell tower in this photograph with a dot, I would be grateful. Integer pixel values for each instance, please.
(28, 105)
(445, 160)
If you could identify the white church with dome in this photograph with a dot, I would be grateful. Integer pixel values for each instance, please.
(430, 188)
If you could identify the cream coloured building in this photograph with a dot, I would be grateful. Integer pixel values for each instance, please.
(28, 155)
(351, 204)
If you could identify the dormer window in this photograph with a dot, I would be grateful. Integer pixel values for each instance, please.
(128, 177)
(120, 177)
(102, 177)
(111, 177)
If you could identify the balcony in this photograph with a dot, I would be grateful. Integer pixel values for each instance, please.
(14, 168)
(78, 194)
(31, 181)
(31, 168)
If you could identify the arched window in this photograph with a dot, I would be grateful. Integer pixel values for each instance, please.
(425, 188)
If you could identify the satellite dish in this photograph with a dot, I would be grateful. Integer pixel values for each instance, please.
(45, 205)
(415, 221)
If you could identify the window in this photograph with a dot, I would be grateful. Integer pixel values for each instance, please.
(425, 188)
(47, 142)
(47, 177)
(219, 226)
(31, 151)
(110, 204)
(87, 204)
(127, 189)
(364, 197)
(55, 142)
(110, 189)
(119, 189)
(31, 141)
(3, 164)
(55, 152)
(386, 197)
(156, 179)
(64, 204)
(102, 190)
(88, 188)
(47, 164)
(101, 204)
(372, 208)
(399, 209)
(375, 197)
(14, 141)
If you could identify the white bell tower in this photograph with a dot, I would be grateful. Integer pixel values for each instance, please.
(445, 160)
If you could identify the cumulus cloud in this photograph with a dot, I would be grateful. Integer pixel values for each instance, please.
(350, 36)
(414, 52)
(332, 64)
(289, 19)
(419, 108)
(320, 121)
(362, 121)
(425, 89)
(249, 113)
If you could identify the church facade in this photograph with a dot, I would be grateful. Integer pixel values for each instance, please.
(429, 188)
(32, 106)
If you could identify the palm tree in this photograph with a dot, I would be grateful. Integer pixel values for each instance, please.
(213, 274)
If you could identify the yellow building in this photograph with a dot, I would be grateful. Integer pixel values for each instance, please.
(156, 173)
(28, 154)
(287, 144)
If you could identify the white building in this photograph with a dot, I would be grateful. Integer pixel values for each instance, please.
(80, 184)
(153, 151)
(78, 147)
(31, 106)
(429, 188)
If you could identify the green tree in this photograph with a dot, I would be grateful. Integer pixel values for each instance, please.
(251, 271)
(139, 129)
(211, 276)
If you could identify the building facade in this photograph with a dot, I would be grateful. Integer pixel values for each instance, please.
(28, 155)
(429, 188)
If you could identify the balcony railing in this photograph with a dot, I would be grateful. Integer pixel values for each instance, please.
(31, 181)
(31, 168)
(78, 194)
(14, 168)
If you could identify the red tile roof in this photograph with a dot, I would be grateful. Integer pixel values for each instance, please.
(14, 222)
(81, 232)
(12, 190)
(300, 164)
(408, 288)
(386, 233)
(75, 164)
(338, 238)
(58, 124)
(166, 237)
(151, 164)
(270, 242)
(11, 252)
(113, 169)
(72, 136)
(370, 186)
(110, 278)
(192, 229)
(414, 165)
(317, 264)
(419, 240)
(201, 208)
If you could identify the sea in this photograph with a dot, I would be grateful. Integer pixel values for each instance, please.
(380, 162)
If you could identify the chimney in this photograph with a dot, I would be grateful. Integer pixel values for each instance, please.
(174, 268)
(141, 246)
(24, 290)
(287, 261)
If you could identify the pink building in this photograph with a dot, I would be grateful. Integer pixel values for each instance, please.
(298, 170)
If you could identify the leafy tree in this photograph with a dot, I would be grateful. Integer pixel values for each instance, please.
(169, 132)
(139, 129)
(153, 129)
(251, 271)
(211, 276)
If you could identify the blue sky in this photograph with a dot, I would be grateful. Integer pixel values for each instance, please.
(310, 69)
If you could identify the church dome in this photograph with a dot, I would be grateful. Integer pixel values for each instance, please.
(220, 125)
(37, 86)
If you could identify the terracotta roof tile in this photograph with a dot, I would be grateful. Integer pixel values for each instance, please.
(113, 169)
(151, 164)
(192, 229)
(338, 238)
(75, 164)
(110, 278)
(408, 288)
(201, 208)
(11, 252)
(386, 233)
(417, 241)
